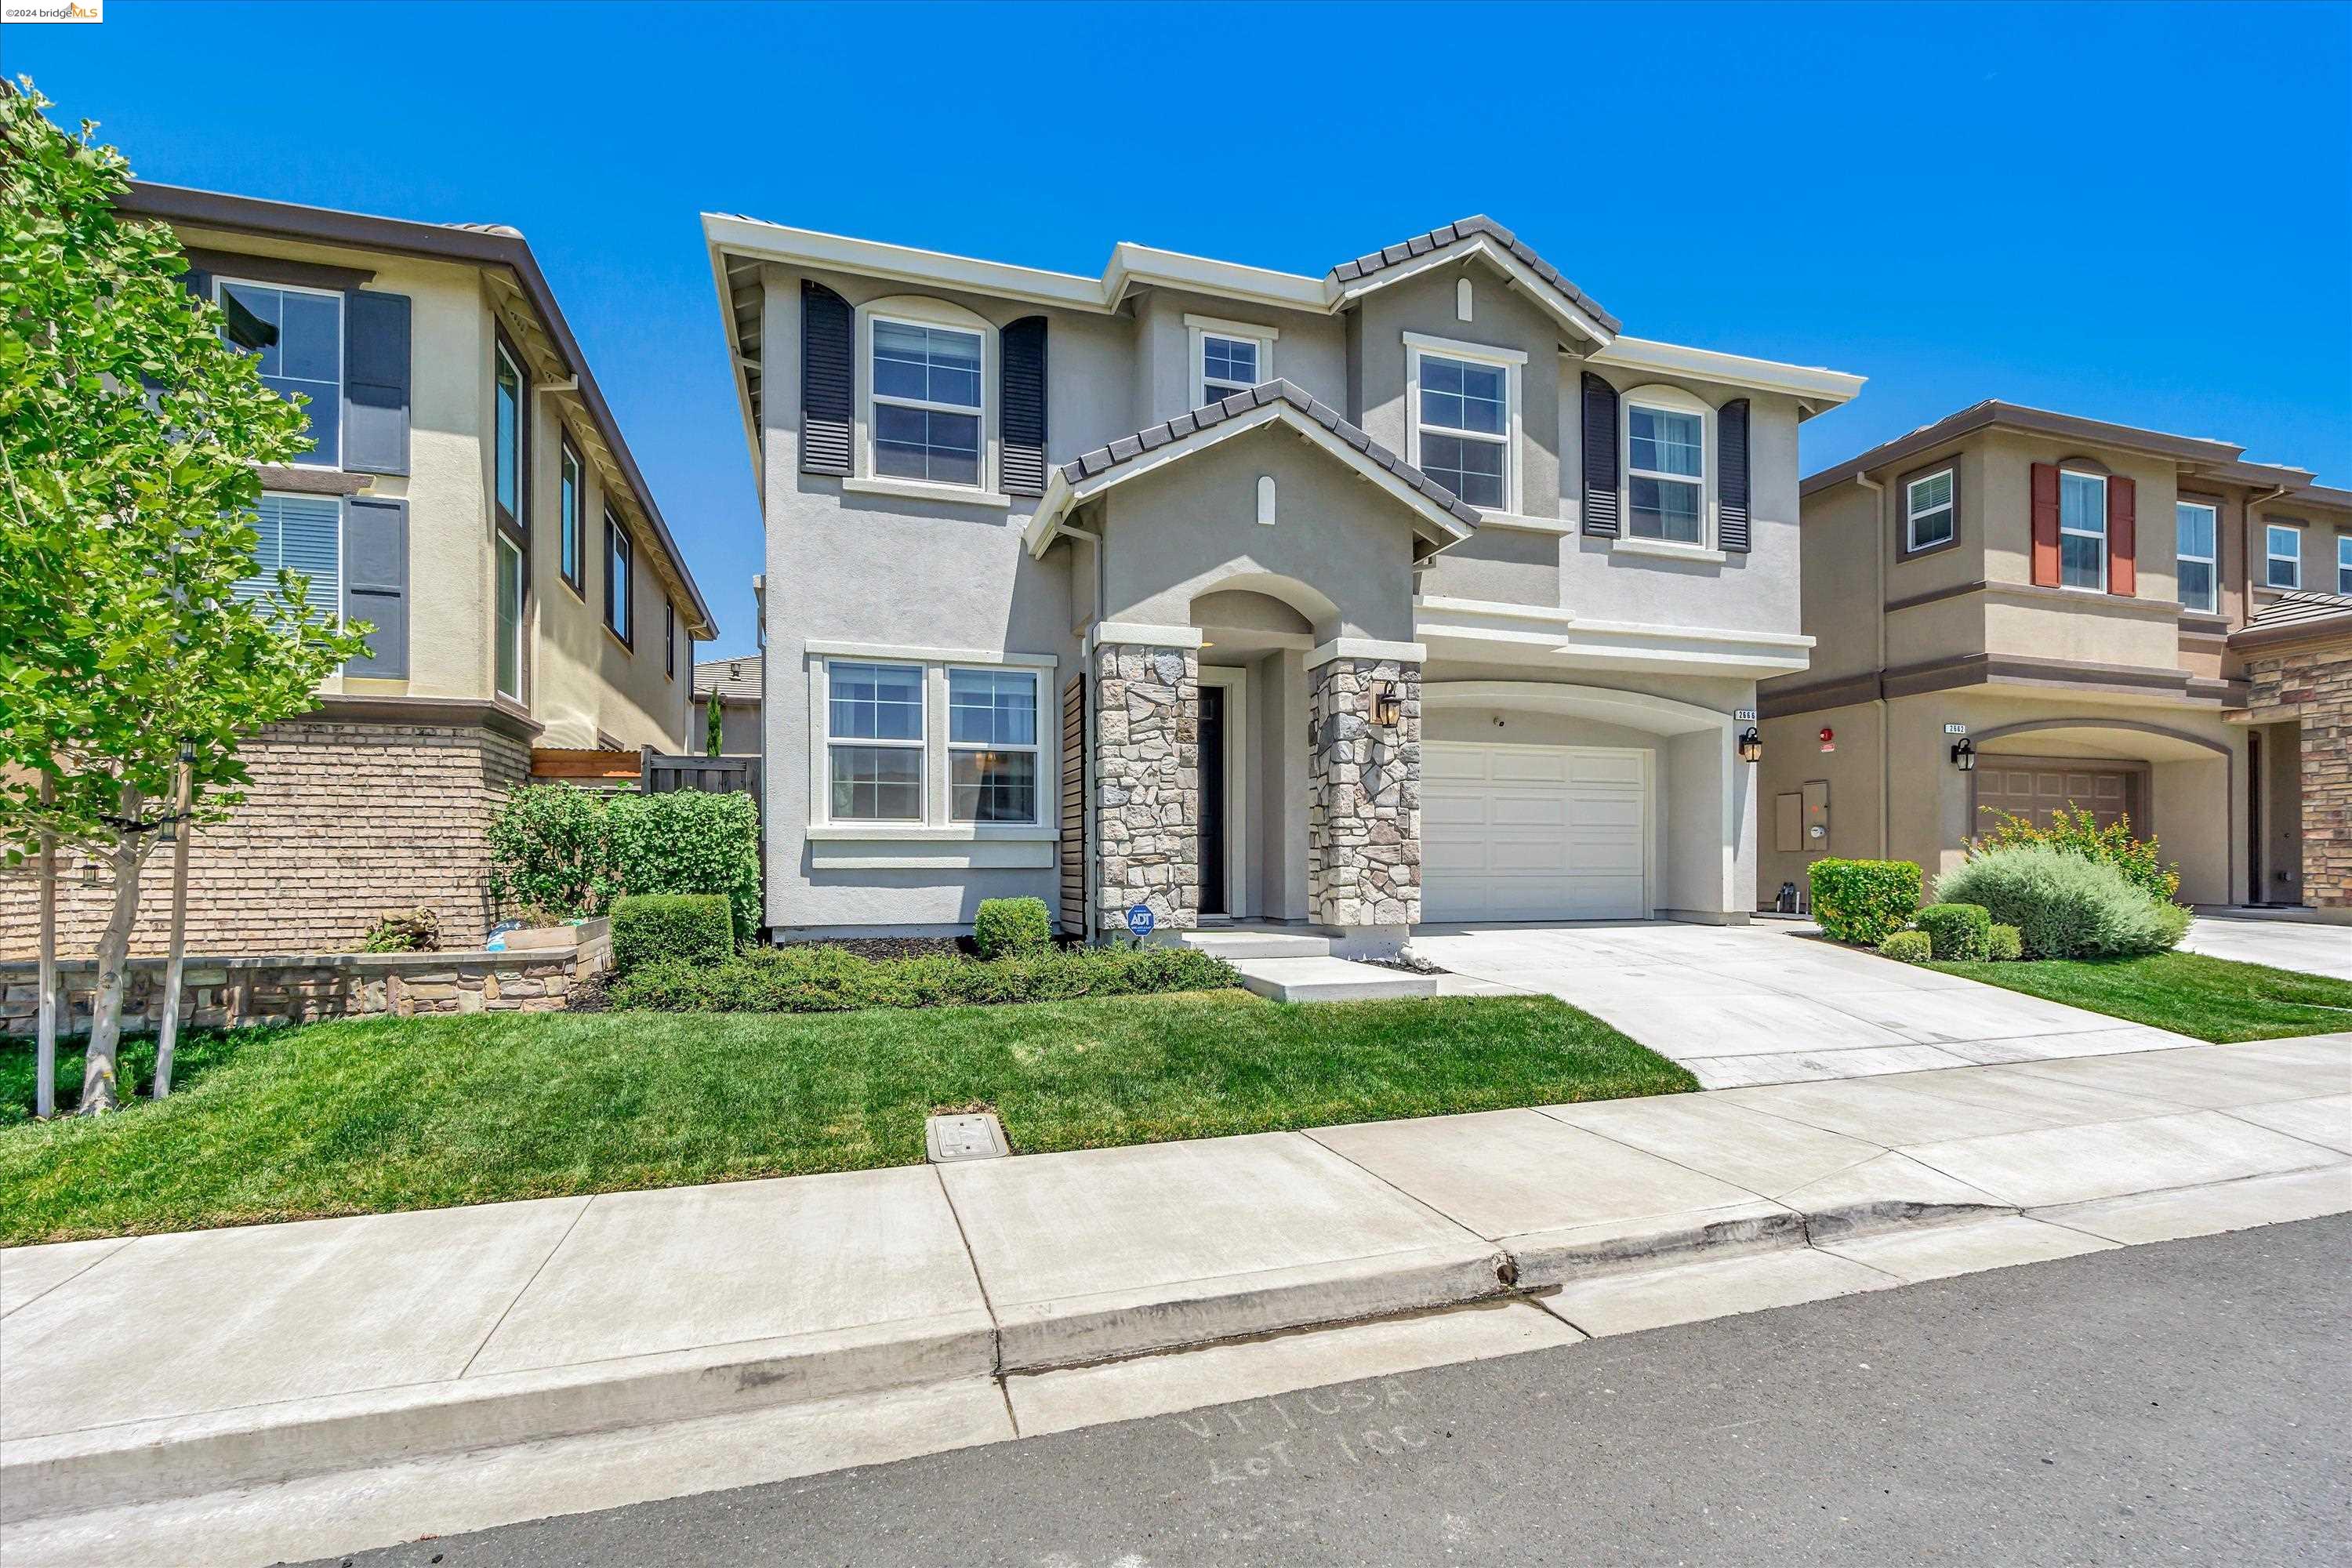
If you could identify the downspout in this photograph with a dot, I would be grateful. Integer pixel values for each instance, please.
(1878, 702)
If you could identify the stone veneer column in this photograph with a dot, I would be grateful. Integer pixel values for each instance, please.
(1363, 794)
(1148, 784)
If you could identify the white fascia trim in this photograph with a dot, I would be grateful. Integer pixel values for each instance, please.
(1494, 621)
(1499, 608)
(1795, 642)
(1669, 549)
(1367, 648)
(1462, 348)
(1519, 522)
(928, 654)
(872, 259)
(1132, 264)
(1144, 634)
(1815, 385)
(925, 489)
(1510, 266)
(1225, 329)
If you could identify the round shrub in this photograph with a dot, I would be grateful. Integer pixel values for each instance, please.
(1008, 926)
(1958, 932)
(2003, 944)
(1907, 947)
(690, 928)
(1862, 902)
(2064, 905)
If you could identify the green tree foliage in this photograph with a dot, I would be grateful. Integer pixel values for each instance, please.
(2077, 832)
(713, 725)
(130, 435)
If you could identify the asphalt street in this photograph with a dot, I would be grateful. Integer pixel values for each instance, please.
(2186, 1403)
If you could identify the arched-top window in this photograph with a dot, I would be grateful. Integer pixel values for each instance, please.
(927, 402)
(1669, 478)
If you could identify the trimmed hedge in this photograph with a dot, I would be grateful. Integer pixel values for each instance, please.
(2064, 905)
(569, 852)
(1864, 901)
(819, 979)
(1008, 926)
(695, 928)
(1958, 933)
(1907, 947)
(2004, 945)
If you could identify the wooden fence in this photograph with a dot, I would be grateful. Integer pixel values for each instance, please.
(660, 773)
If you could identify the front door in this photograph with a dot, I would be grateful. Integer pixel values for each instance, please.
(1213, 801)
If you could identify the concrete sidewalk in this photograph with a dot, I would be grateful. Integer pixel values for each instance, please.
(2315, 947)
(185, 1366)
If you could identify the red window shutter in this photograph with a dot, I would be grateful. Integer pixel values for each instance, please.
(2045, 524)
(2123, 551)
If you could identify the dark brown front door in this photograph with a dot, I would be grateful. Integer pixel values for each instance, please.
(1213, 801)
(2035, 787)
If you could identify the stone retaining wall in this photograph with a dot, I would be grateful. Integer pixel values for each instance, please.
(220, 993)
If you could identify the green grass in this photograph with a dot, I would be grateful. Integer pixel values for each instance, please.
(364, 1117)
(2213, 999)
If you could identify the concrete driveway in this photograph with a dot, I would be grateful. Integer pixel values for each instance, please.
(2307, 946)
(1773, 1003)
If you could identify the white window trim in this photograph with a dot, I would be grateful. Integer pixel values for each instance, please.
(1036, 748)
(1512, 361)
(342, 355)
(1200, 328)
(916, 310)
(1663, 399)
(1951, 508)
(2100, 534)
(936, 823)
(2270, 555)
(2344, 563)
(2212, 560)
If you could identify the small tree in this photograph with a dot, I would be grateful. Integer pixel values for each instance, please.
(130, 432)
(714, 725)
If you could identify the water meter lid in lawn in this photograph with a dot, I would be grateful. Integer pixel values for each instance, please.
(1138, 920)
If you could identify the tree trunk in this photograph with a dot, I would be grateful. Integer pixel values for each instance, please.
(99, 1090)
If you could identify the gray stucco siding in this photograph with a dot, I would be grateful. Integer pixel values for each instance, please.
(1310, 352)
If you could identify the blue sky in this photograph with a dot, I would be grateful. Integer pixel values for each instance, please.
(2141, 213)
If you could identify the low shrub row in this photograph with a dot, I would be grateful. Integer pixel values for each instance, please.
(817, 979)
(2066, 905)
(2087, 896)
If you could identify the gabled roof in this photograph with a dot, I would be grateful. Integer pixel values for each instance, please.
(1992, 411)
(737, 680)
(1351, 277)
(2295, 616)
(1090, 474)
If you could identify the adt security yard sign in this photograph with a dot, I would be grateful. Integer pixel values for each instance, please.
(1138, 920)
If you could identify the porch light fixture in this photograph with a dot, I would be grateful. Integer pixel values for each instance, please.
(1386, 706)
(1751, 745)
(1964, 755)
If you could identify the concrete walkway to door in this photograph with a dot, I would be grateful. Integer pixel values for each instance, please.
(1773, 1003)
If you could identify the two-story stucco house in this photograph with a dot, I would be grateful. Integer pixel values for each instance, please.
(469, 496)
(1413, 591)
(2018, 610)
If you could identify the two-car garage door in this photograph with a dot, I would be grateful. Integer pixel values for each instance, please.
(1531, 833)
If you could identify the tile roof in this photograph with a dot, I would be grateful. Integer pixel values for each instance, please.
(736, 678)
(2299, 610)
(1471, 228)
(1086, 465)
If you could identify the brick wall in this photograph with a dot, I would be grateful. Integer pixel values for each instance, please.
(342, 822)
(2315, 684)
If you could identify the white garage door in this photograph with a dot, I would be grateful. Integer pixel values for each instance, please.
(1531, 833)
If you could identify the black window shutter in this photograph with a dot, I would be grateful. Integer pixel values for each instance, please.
(375, 382)
(1020, 416)
(1600, 456)
(375, 583)
(1731, 471)
(828, 333)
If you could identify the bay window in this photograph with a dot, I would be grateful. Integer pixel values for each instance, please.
(2082, 530)
(2197, 530)
(509, 629)
(506, 437)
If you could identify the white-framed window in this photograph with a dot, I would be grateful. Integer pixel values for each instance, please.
(927, 402)
(1228, 357)
(1464, 402)
(2083, 530)
(993, 755)
(874, 736)
(2344, 563)
(297, 335)
(299, 534)
(1666, 477)
(509, 629)
(1930, 513)
(2282, 557)
(2198, 528)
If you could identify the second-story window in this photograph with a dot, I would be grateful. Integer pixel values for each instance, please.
(2196, 530)
(2344, 563)
(927, 402)
(1930, 517)
(506, 437)
(2282, 557)
(1666, 474)
(510, 627)
(302, 534)
(297, 336)
(571, 497)
(1227, 365)
(1465, 427)
(619, 557)
(670, 640)
(2083, 530)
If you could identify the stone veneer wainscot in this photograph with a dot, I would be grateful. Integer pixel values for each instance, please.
(1363, 818)
(1148, 777)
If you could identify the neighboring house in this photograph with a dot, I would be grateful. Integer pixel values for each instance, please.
(2297, 652)
(736, 682)
(469, 496)
(2082, 604)
(1412, 592)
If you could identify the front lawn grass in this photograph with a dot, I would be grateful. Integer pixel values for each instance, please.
(364, 1117)
(2215, 999)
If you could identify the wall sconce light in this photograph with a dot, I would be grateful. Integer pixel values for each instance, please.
(1386, 706)
(1751, 745)
(168, 831)
(89, 872)
(1964, 755)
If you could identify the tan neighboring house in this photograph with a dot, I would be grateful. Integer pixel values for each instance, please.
(737, 683)
(2015, 609)
(470, 496)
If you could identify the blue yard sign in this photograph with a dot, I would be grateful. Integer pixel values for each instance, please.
(1138, 920)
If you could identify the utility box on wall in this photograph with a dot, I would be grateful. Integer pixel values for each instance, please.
(1816, 798)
